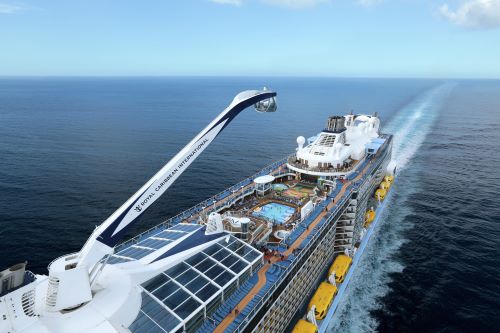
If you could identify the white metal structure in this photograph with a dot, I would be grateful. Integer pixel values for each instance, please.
(335, 151)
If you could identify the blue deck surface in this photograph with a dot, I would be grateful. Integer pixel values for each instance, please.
(275, 212)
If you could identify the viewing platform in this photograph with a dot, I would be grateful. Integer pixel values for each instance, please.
(341, 170)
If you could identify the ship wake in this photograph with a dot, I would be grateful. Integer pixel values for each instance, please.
(371, 280)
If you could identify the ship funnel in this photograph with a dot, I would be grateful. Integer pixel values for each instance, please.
(266, 105)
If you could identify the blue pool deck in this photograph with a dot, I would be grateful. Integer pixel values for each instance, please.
(275, 212)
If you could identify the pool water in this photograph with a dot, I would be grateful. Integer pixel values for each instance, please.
(275, 212)
(280, 187)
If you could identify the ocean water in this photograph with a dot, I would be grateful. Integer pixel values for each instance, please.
(74, 149)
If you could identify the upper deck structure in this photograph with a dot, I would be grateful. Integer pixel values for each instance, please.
(337, 150)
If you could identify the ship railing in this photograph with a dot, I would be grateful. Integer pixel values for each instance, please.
(209, 204)
(288, 269)
(292, 160)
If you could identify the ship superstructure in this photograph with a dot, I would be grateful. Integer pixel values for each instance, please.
(246, 260)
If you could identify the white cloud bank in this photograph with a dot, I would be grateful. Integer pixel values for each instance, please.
(9, 9)
(474, 14)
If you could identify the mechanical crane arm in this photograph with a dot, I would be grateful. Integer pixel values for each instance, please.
(112, 230)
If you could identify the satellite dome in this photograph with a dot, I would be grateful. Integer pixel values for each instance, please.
(301, 140)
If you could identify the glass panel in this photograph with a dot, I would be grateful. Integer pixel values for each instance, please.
(160, 317)
(196, 259)
(214, 271)
(116, 260)
(223, 253)
(135, 253)
(187, 308)
(212, 249)
(171, 235)
(205, 265)
(186, 277)
(175, 299)
(206, 292)
(234, 246)
(166, 290)
(154, 243)
(229, 261)
(155, 282)
(239, 266)
(186, 227)
(196, 284)
(250, 257)
(224, 278)
(142, 324)
(177, 270)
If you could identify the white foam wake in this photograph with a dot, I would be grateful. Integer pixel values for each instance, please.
(370, 281)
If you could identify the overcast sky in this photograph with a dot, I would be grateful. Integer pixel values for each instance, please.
(346, 38)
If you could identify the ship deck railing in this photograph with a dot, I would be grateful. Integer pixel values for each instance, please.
(293, 161)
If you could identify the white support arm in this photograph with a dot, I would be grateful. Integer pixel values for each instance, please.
(109, 233)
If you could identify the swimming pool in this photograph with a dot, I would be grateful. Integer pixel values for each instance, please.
(280, 187)
(274, 212)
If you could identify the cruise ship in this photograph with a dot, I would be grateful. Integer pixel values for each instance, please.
(256, 257)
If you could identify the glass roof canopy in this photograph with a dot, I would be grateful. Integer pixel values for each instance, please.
(182, 295)
(153, 243)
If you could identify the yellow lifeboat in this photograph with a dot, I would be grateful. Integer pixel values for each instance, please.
(304, 326)
(389, 179)
(380, 194)
(385, 185)
(322, 299)
(340, 266)
(369, 217)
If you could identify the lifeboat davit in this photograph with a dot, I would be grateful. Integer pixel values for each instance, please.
(380, 194)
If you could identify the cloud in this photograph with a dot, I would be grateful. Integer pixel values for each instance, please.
(6, 8)
(229, 2)
(474, 14)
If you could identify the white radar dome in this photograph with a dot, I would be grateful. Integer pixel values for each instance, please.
(301, 140)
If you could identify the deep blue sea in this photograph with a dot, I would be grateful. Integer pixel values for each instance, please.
(74, 149)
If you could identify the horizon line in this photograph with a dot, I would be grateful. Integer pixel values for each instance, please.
(256, 76)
